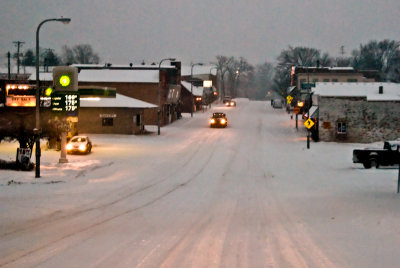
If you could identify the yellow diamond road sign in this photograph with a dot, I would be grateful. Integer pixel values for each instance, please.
(309, 123)
(289, 99)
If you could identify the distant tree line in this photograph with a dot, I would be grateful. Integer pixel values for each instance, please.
(82, 53)
(240, 79)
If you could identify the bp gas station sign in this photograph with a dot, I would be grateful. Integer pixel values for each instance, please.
(65, 98)
(65, 103)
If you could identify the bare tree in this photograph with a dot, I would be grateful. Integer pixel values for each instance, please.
(296, 56)
(344, 62)
(67, 55)
(28, 58)
(383, 56)
(299, 56)
(263, 81)
(222, 67)
(83, 54)
(236, 70)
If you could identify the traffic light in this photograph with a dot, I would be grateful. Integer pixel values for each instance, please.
(65, 78)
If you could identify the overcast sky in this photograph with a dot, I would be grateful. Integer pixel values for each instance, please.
(124, 31)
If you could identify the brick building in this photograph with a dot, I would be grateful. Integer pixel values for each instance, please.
(300, 76)
(201, 96)
(148, 83)
(119, 115)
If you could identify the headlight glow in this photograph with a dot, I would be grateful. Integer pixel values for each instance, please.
(82, 147)
(212, 121)
(223, 121)
(69, 146)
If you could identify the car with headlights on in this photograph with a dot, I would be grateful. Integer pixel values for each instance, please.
(79, 145)
(230, 103)
(218, 120)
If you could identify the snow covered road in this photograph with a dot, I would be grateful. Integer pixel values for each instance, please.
(250, 195)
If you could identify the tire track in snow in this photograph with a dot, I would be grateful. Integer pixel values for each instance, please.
(42, 224)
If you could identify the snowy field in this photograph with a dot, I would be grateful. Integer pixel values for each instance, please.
(250, 195)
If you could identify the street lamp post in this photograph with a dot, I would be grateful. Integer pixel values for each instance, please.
(191, 85)
(159, 94)
(308, 106)
(37, 128)
(216, 81)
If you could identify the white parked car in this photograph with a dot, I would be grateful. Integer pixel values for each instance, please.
(79, 144)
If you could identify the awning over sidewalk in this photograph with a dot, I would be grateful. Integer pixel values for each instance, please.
(290, 89)
(313, 112)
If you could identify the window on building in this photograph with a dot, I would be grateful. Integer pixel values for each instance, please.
(326, 79)
(352, 80)
(341, 128)
(107, 122)
(334, 80)
(315, 80)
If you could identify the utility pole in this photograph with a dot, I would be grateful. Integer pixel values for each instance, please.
(308, 88)
(18, 44)
(342, 52)
(9, 65)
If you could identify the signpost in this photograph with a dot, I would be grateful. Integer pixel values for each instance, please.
(65, 99)
(65, 103)
(289, 99)
(307, 85)
(309, 123)
(398, 176)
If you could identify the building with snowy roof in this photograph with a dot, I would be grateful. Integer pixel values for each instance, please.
(356, 112)
(201, 95)
(119, 115)
(301, 76)
(148, 83)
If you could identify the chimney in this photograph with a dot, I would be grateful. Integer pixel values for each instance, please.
(380, 89)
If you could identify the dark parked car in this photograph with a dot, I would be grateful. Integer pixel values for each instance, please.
(277, 103)
(387, 156)
(80, 145)
(218, 120)
(226, 99)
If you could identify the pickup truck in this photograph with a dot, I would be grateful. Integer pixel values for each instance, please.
(389, 155)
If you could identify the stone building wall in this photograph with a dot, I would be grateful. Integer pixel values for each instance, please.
(366, 121)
